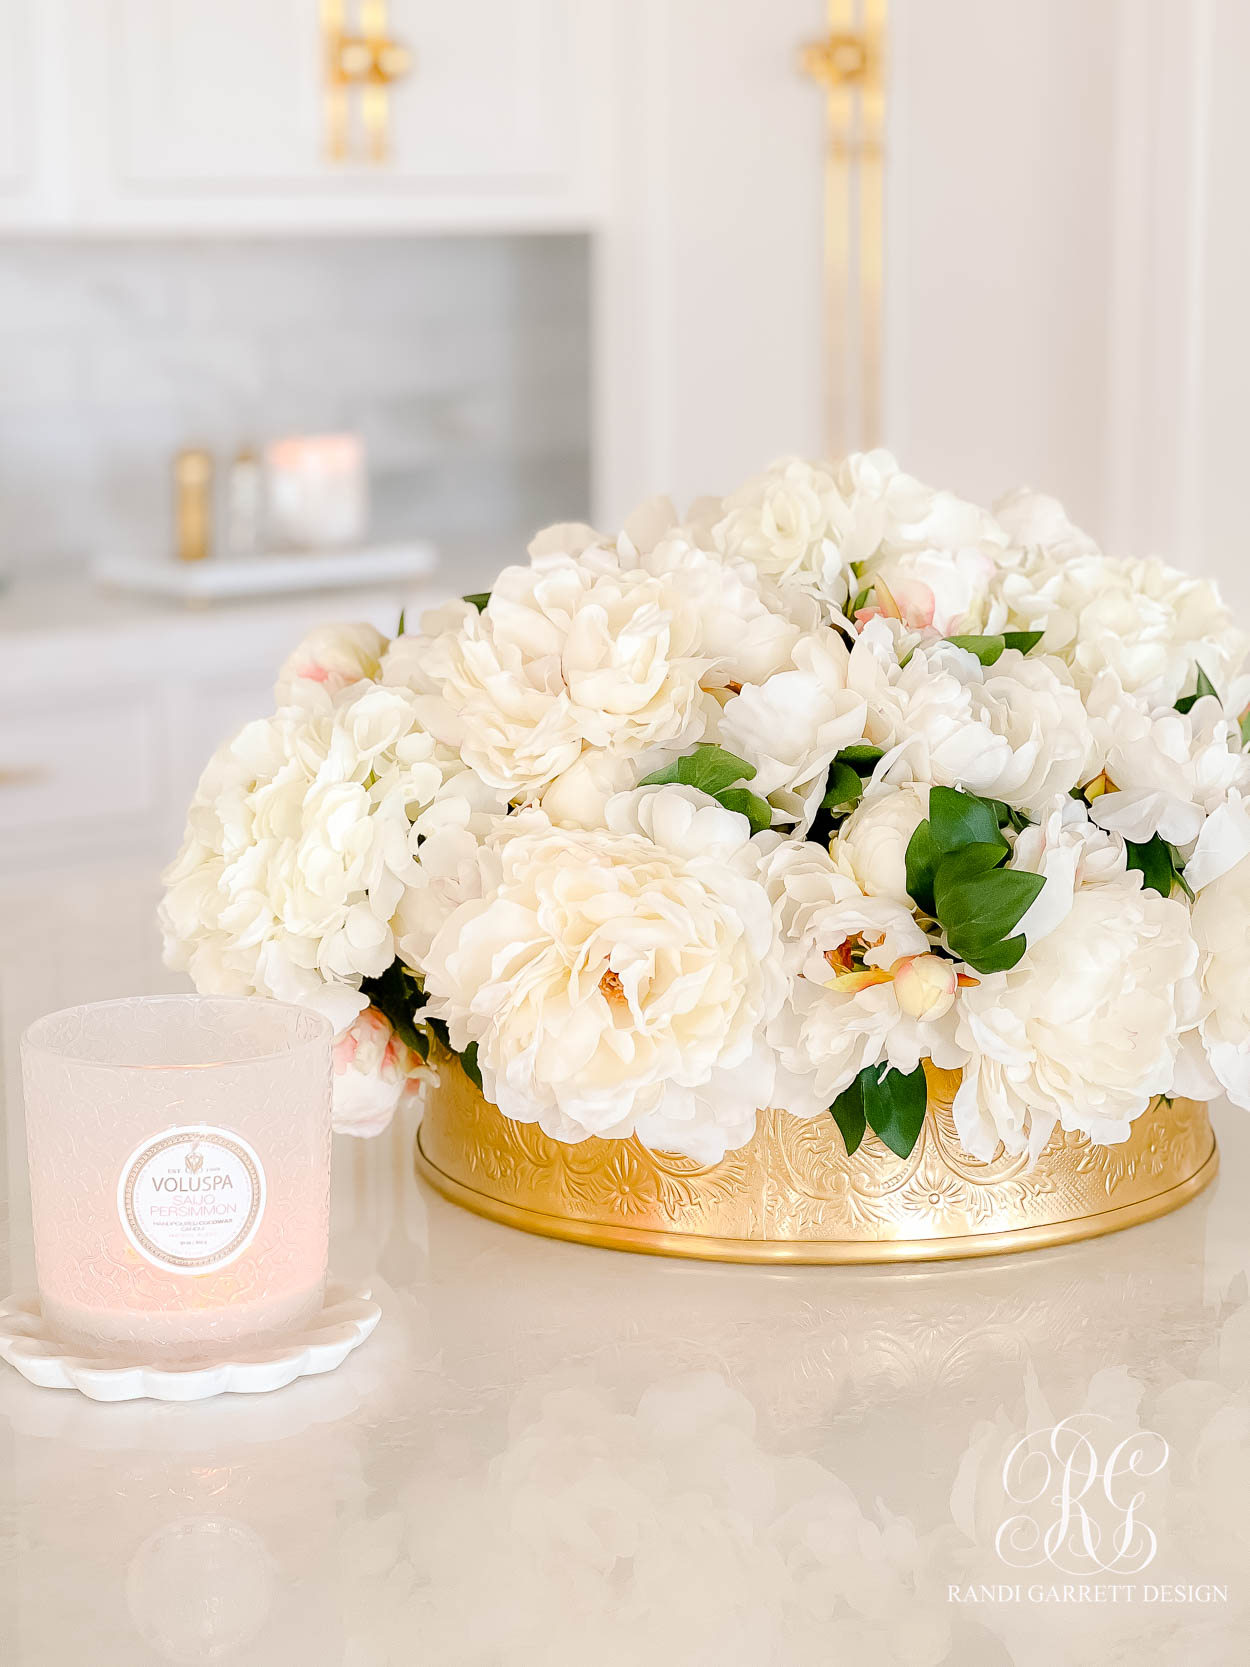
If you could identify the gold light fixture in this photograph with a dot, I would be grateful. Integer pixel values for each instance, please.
(849, 64)
(361, 59)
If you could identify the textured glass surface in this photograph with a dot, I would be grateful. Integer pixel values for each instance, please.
(99, 1080)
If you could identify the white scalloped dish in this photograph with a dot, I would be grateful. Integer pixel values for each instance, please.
(28, 1346)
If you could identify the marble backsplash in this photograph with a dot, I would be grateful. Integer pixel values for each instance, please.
(463, 362)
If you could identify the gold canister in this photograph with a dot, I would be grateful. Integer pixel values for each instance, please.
(793, 1195)
(193, 504)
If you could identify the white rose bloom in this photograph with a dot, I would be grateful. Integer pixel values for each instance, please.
(1221, 926)
(1083, 1031)
(618, 981)
(564, 657)
(374, 1073)
(1016, 730)
(301, 841)
(843, 951)
(327, 660)
(791, 726)
(871, 845)
(1164, 771)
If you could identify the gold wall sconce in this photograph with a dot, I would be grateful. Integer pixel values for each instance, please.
(849, 65)
(362, 63)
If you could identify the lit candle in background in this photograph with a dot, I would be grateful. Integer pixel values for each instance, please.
(317, 491)
(180, 1172)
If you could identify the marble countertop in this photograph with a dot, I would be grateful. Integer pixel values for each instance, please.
(550, 1455)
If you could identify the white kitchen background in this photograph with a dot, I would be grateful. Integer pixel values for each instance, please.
(463, 363)
(590, 270)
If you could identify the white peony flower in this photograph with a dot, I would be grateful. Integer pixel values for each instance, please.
(1150, 624)
(844, 951)
(1015, 730)
(1083, 1031)
(749, 628)
(793, 524)
(618, 981)
(1223, 842)
(1163, 771)
(301, 842)
(1037, 523)
(808, 525)
(1221, 926)
(791, 726)
(563, 658)
(947, 592)
(374, 1073)
(905, 514)
(329, 659)
(871, 845)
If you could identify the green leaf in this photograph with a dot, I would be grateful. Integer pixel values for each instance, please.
(399, 629)
(397, 995)
(969, 862)
(847, 1112)
(861, 600)
(468, 1060)
(758, 812)
(959, 819)
(861, 757)
(709, 768)
(1153, 860)
(1244, 726)
(479, 599)
(1025, 641)
(979, 909)
(922, 860)
(894, 1105)
(845, 787)
(1009, 816)
(1205, 687)
(1160, 865)
(999, 957)
(986, 649)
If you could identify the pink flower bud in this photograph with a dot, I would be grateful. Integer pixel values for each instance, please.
(925, 985)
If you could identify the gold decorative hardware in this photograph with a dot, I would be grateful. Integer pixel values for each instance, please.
(360, 58)
(193, 504)
(849, 64)
(793, 1195)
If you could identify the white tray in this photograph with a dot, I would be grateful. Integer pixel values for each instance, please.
(30, 1348)
(223, 581)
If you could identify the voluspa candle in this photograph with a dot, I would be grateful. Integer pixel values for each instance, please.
(180, 1172)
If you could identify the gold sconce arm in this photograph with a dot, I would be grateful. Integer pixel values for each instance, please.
(848, 64)
(361, 59)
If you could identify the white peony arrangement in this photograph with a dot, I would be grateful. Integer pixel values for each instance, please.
(765, 807)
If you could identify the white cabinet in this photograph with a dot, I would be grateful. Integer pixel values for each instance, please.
(215, 114)
(219, 95)
(17, 150)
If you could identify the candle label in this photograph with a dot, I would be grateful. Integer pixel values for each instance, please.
(191, 1199)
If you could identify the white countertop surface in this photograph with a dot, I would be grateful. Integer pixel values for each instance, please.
(548, 1454)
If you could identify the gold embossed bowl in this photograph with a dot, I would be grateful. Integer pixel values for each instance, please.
(793, 1195)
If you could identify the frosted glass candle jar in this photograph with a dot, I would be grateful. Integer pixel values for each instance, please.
(179, 1171)
(317, 491)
